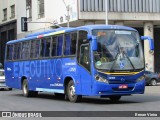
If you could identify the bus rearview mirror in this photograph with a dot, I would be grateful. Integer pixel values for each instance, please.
(89, 37)
(151, 43)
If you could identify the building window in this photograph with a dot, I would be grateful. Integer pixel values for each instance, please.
(28, 4)
(5, 14)
(40, 8)
(12, 11)
(29, 9)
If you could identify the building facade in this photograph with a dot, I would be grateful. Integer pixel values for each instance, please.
(8, 24)
(143, 15)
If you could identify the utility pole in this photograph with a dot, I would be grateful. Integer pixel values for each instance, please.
(68, 16)
(106, 7)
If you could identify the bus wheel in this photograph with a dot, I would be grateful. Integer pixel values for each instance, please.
(115, 98)
(71, 92)
(26, 92)
(10, 89)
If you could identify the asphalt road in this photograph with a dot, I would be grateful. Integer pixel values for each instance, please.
(15, 101)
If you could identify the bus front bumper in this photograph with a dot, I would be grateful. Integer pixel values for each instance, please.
(100, 89)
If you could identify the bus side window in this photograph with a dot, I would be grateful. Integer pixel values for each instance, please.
(82, 39)
(9, 52)
(83, 49)
(73, 45)
(59, 45)
(25, 50)
(67, 42)
(70, 43)
(35, 46)
(32, 49)
(53, 46)
(45, 47)
(85, 56)
(37, 49)
(17, 50)
(48, 45)
(43, 42)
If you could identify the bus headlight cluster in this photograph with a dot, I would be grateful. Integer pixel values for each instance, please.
(101, 79)
(140, 78)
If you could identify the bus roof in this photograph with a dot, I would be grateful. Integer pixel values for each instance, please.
(46, 32)
(91, 27)
(65, 30)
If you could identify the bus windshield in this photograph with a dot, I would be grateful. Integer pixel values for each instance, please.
(118, 50)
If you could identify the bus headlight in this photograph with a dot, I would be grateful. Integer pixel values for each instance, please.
(140, 78)
(101, 79)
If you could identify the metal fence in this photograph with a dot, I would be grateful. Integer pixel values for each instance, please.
(142, 6)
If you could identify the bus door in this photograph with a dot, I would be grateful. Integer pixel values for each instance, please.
(85, 68)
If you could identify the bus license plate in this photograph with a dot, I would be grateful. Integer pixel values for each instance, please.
(123, 86)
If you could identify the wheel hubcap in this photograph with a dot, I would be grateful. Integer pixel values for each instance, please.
(72, 91)
(153, 82)
(25, 89)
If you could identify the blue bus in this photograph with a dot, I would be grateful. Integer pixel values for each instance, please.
(93, 60)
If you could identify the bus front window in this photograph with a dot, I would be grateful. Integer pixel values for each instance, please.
(118, 50)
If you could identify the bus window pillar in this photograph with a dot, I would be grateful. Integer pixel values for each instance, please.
(149, 57)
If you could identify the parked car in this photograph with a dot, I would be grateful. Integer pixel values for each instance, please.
(1, 66)
(2, 80)
(152, 78)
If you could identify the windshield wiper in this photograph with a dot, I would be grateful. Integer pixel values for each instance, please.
(129, 60)
(116, 58)
(114, 62)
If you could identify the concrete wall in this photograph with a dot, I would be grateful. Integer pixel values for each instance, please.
(143, 6)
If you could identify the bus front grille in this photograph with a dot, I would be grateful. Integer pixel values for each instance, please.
(121, 82)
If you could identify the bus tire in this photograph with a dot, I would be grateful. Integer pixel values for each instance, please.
(9, 89)
(153, 82)
(115, 98)
(71, 92)
(26, 91)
